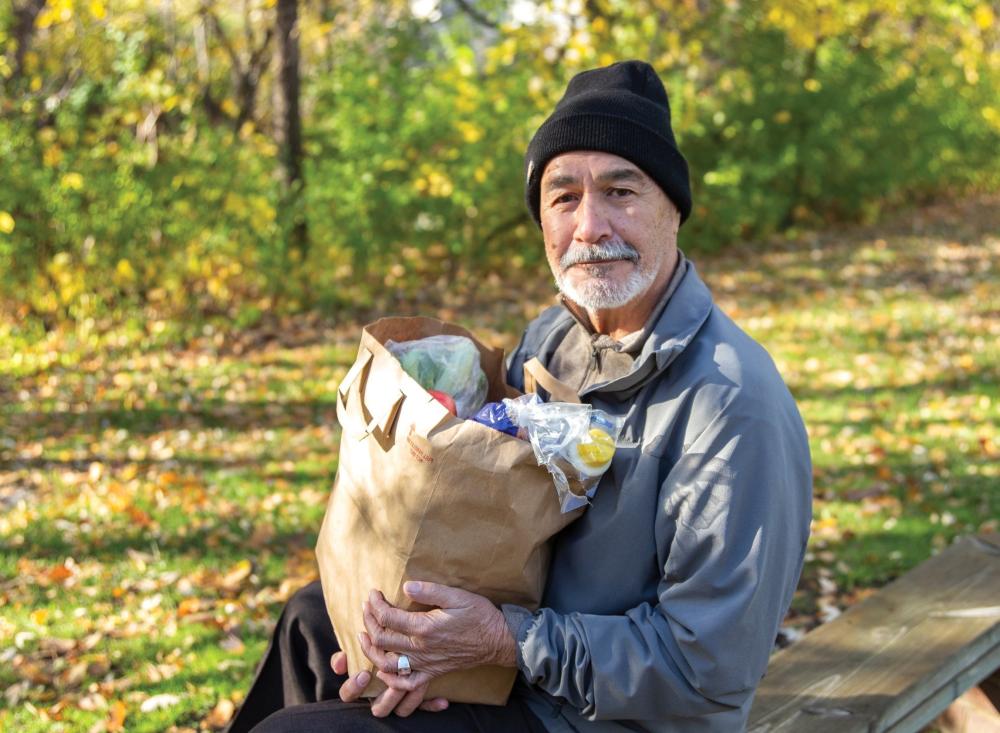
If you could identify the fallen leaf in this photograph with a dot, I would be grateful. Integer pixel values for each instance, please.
(827, 612)
(116, 717)
(16, 692)
(232, 644)
(188, 606)
(236, 575)
(34, 673)
(74, 675)
(168, 478)
(158, 672)
(91, 640)
(55, 712)
(138, 516)
(138, 557)
(60, 573)
(827, 587)
(202, 617)
(221, 714)
(91, 702)
(57, 647)
(158, 702)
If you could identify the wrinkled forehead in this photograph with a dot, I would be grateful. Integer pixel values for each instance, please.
(573, 167)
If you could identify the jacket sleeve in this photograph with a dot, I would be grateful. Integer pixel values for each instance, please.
(733, 520)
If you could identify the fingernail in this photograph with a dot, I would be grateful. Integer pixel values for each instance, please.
(411, 586)
(361, 638)
(363, 679)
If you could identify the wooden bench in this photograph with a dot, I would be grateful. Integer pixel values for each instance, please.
(896, 660)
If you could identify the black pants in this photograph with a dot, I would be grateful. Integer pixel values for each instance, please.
(295, 689)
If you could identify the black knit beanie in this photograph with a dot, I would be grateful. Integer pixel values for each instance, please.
(620, 109)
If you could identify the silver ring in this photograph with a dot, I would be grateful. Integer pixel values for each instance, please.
(403, 666)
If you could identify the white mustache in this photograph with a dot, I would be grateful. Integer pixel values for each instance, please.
(616, 250)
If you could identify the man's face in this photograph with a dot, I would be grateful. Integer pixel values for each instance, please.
(610, 232)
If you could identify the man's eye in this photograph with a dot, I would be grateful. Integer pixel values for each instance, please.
(563, 198)
(620, 192)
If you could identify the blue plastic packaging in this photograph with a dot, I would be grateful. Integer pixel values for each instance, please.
(494, 415)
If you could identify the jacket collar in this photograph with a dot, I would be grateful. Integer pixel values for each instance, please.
(684, 315)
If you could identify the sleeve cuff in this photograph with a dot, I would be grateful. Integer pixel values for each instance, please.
(519, 622)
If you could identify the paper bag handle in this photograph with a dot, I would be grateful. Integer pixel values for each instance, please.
(361, 365)
(381, 420)
(536, 375)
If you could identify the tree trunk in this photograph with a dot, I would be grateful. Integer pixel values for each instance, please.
(289, 123)
(24, 31)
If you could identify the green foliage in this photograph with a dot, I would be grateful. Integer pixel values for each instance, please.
(795, 114)
(141, 172)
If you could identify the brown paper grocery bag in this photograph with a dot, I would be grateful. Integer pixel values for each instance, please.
(423, 495)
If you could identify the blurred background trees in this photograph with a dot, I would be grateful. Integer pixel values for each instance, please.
(185, 159)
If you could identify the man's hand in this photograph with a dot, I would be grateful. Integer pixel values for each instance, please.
(401, 702)
(464, 630)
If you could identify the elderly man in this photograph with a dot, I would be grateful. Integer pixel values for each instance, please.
(664, 598)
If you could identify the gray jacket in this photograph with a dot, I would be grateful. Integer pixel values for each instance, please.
(664, 598)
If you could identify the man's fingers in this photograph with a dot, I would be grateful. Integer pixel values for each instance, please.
(387, 702)
(385, 661)
(411, 702)
(406, 684)
(435, 594)
(374, 654)
(384, 638)
(435, 705)
(390, 617)
(352, 689)
(339, 663)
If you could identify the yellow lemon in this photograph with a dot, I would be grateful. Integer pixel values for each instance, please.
(598, 449)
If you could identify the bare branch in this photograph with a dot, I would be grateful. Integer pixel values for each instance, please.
(258, 57)
(476, 15)
(227, 45)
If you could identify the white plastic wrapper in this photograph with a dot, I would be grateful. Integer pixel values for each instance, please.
(448, 364)
(573, 441)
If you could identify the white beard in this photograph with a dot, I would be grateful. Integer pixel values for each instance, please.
(600, 291)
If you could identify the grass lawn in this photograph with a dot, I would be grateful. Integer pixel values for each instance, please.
(159, 503)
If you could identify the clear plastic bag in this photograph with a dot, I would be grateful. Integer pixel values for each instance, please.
(448, 364)
(573, 441)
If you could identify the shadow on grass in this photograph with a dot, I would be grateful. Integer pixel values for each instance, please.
(238, 416)
(113, 464)
(224, 541)
(907, 482)
(264, 415)
(984, 378)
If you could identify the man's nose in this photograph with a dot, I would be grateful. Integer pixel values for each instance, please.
(592, 223)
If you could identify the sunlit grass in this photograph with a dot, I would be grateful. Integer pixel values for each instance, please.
(161, 501)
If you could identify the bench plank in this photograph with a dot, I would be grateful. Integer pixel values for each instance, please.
(894, 661)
